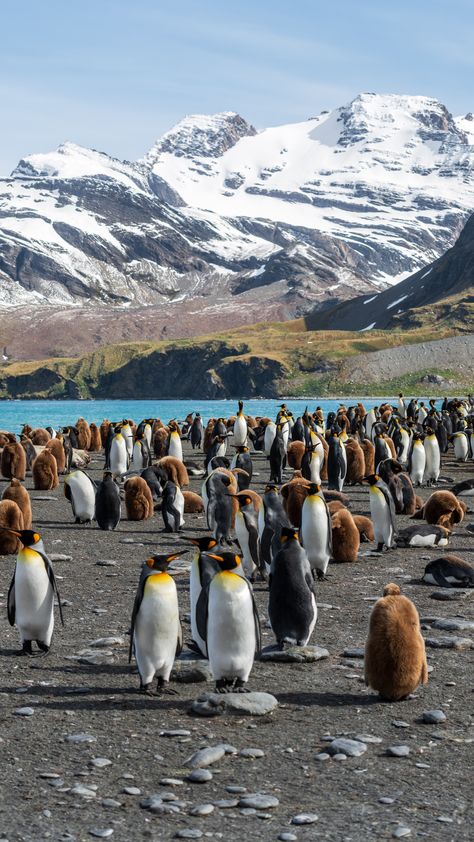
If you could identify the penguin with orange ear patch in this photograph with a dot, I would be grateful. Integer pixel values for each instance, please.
(395, 658)
(156, 636)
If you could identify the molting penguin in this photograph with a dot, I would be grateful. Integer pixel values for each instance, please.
(107, 503)
(316, 531)
(31, 594)
(395, 658)
(337, 463)
(172, 507)
(292, 605)
(228, 622)
(277, 455)
(272, 518)
(449, 571)
(156, 636)
(382, 512)
(240, 427)
(80, 490)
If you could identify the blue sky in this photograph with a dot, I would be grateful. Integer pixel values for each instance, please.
(114, 75)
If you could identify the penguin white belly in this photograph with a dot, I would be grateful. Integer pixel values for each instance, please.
(83, 496)
(242, 534)
(175, 447)
(230, 627)
(270, 433)
(405, 446)
(157, 628)
(194, 593)
(286, 435)
(418, 463)
(433, 460)
(380, 514)
(147, 433)
(315, 533)
(179, 504)
(240, 431)
(222, 449)
(425, 541)
(233, 463)
(128, 438)
(261, 520)
(313, 621)
(461, 449)
(118, 458)
(137, 457)
(34, 598)
(315, 467)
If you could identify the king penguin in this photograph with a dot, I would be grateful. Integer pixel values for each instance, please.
(119, 458)
(246, 530)
(175, 447)
(80, 490)
(240, 427)
(156, 636)
(433, 458)
(382, 512)
(417, 460)
(107, 503)
(292, 604)
(31, 594)
(272, 518)
(316, 531)
(203, 567)
(228, 622)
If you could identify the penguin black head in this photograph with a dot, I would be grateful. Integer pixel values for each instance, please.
(28, 537)
(314, 488)
(289, 533)
(243, 500)
(271, 487)
(205, 542)
(162, 561)
(372, 479)
(227, 561)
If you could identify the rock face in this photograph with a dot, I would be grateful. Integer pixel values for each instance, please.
(297, 215)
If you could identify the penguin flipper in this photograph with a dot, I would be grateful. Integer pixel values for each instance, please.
(202, 610)
(54, 584)
(179, 642)
(11, 606)
(328, 515)
(256, 619)
(136, 608)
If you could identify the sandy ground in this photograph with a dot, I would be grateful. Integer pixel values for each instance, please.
(430, 791)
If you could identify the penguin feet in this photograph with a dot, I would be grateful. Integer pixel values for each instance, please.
(320, 575)
(224, 685)
(43, 647)
(27, 649)
(147, 689)
(239, 686)
(162, 688)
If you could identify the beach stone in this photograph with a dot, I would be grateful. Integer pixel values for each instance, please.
(228, 748)
(252, 704)
(199, 776)
(97, 659)
(339, 756)
(398, 751)
(105, 642)
(177, 732)
(401, 831)
(446, 819)
(251, 752)
(454, 625)
(83, 791)
(294, 654)
(170, 782)
(60, 556)
(188, 833)
(458, 643)
(205, 757)
(101, 833)
(286, 836)
(106, 562)
(446, 595)
(100, 762)
(235, 789)
(202, 810)
(368, 738)
(131, 790)
(351, 748)
(399, 723)
(386, 800)
(24, 711)
(433, 717)
(305, 818)
(191, 672)
(81, 738)
(323, 755)
(258, 801)
(110, 802)
(353, 652)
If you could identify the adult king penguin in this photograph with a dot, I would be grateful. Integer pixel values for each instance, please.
(292, 605)
(417, 460)
(156, 637)
(228, 622)
(80, 490)
(203, 568)
(433, 457)
(240, 427)
(31, 594)
(316, 531)
(382, 512)
(119, 458)
(246, 529)
(107, 503)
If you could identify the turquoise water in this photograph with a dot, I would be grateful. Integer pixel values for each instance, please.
(13, 414)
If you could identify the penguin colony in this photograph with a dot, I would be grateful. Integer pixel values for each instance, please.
(286, 538)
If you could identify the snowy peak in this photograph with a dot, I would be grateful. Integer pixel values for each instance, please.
(201, 136)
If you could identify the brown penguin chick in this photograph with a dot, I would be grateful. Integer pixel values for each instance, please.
(83, 434)
(343, 421)
(355, 462)
(295, 453)
(419, 503)
(443, 509)
(160, 442)
(40, 436)
(104, 431)
(6, 438)
(385, 415)
(10, 516)
(56, 447)
(294, 494)
(251, 421)
(335, 506)
(45, 472)
(175, 469)
(345, 536)
(26, 430)
(13, 462)
(193, 503)
(18, 493)
(369, 456)
(208, 434)
(138, 499)
(331, 495)
(365, 527)
(96, 439)
(30, 451)
(395, 658)
(132, 425)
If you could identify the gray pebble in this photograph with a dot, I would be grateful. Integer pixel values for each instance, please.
(83, 791)
(433, 717)
(248, 811)
(171, 782)
(401, 831)
(458, 643)
(286, 836)
(199, 776)
(228, 748)
(399, 723)
(100, 762)
(446, 819)
(101, 833)
(201, 810)
(24, 711)
(81, 738)
(131, 790)
(294, 654)
(258, 801)
(56, 782)
(110, 802)
(106, 562)
(205, 757)
(352, 748)
(422, 765)
(47, 775)
(339, 757)
(368, 738)
(235, 789)
(354, 652)
(253, 704)
(105, 642)
(323, 755)
(251, 752)
(454, 625)
(188, 833)
(305, 818)
(398, 751)
(177, 732)
(386, 800)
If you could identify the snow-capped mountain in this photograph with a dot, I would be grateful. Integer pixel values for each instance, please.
(298, 215)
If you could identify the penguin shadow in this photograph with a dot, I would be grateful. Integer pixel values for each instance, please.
(8, 653)
(331, 700)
